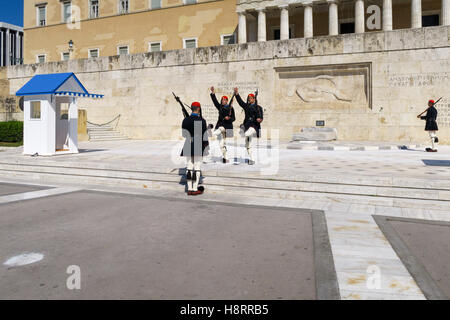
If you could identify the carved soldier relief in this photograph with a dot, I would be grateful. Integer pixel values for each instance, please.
(326, 87)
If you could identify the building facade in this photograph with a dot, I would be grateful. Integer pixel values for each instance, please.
(73, 29)
(364, 68)
(11, 44)
(261, 20)
(98, 28)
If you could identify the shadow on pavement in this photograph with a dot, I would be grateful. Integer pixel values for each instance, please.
(91, 150)
(436, 163)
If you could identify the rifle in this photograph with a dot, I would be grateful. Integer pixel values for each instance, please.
(256, 102)
(183, 109)
(231, 104)
(429, 107)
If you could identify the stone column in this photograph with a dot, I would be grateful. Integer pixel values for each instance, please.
(1, 48)
(8, 47)
(359, 16)
(387, 15)
(242, 32)
(445, 13)
(284, 22)
(416, 14)
(262, 25)
(308, 19)
(18, 47)
(333, 20)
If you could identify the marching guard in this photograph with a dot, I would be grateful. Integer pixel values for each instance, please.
(195, 132)
(224, 125)
(252, 121)
(431, 124)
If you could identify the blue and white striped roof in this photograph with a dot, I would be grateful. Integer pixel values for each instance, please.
(59, 84)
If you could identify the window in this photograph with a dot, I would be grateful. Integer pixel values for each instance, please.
(64, 111)
(65, 56)
(94, 53)
(123, 6)
(226, 39)
(276, 32)
(190, 1)
(430, 20)
(347, 27)
(35, 110)
(93, 12)
(41, 15)
(190, 43)
(155, 46)
(122, 50)
(155, 4)
(41, 58)
(67, 11)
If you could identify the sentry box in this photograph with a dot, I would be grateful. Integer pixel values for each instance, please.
(50, 124)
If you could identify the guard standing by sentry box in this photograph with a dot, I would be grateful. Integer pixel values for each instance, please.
(47, 130)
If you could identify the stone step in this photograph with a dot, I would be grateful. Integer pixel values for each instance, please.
(104, 133)
(363, 180)
(278, 189)
(100, 129)
(107, 138)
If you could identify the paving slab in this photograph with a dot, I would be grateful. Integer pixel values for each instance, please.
(423, 247)
(13, 188)
(140, 247)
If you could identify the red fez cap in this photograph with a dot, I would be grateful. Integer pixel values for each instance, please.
(432, 101)
(195, 104)
(251, 95)
(224, 97)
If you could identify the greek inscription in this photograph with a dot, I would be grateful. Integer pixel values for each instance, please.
(419, 80)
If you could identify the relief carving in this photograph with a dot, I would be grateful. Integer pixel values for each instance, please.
(342, 86)
(322, 88)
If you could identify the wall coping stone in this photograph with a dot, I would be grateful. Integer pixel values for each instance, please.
(382, 41)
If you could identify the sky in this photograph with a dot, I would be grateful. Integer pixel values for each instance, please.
(12, 12)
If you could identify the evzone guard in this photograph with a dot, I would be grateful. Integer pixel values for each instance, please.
(431, 124)
(224, 125)
(195, 146)
(252, 121)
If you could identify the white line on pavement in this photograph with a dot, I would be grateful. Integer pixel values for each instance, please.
(36, 194)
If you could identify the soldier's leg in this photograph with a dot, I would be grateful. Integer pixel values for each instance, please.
(221, 136)
(189, 173)
(433, 139)
(249, 134)
(219, 133)
(197, 173)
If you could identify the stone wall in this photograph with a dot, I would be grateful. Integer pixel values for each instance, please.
(9, 103)
(369, 86)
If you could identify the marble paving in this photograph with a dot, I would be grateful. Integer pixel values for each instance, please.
(367, 267)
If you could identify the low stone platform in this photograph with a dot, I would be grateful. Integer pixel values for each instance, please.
(316, 134)
(400, 178)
